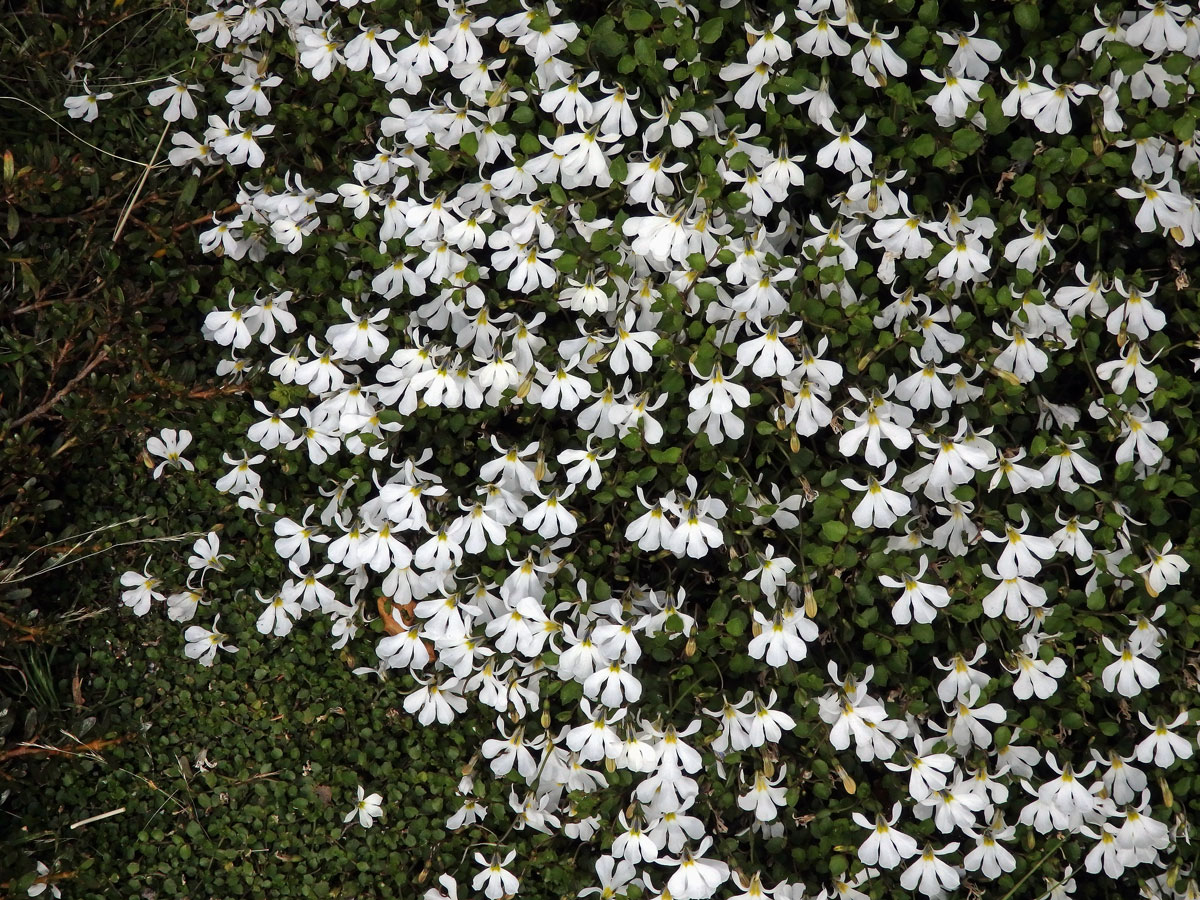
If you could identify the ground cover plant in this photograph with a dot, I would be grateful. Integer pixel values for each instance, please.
(661, 450)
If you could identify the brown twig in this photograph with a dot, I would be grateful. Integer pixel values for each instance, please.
(40, 750)
(49, 404)
(125, 214)
(207, 217)
(32, 633)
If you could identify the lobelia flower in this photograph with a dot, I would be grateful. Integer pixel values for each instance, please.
(279, 615)
(169, 446)
(876, 60)
(844, 153)
(751, 92)
(1023, 553)
(697, 530)
(86, 106)
(871, 426)
(368, 809)
(919, 601)
(881, 506)
(927, 773)
(886, 846)
(1141, 436)
(713, 402)
(929, 874)
(249, 95)
(966, 728)
(1072, 538)
(966, 262)
(207, 556)
(360, 338)
(1066, 463)
(142, 590)
(1106, 854)
(1162, 746)
(614, 875)
(821, 40)
(783, 637)
(1163, 207)
(1026, 252)
(1054, 104)
(990, 856)
(951, 103)
(1129, 674)
(176, 100)
(696, 878)
(203, 643)
(768, 355)
(1157, 30)
(1035, 677)
(772, 571)
(1131, 365)
(972, 55)
(238, 143)
(1163, 569)
(770, 47)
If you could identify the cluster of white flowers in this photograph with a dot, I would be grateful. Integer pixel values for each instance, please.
(482, 274)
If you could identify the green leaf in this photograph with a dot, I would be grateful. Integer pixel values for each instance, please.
(833, 531)
(637, 19)
(923, 145)
(469, 143)
(1027, 16)
(1185, 127)
(967, 140)
(605, 40)
(1025, 185)
(710, 31)
(737, 623)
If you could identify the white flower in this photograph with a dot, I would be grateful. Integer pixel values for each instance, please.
(495, 880)
(930, 875)
(1035, 677)
(1162, 747)
(279, 615)
(989, 856)
(142, 589)
(765, 796)
(1129, 674)
(360, 338)
(1157, 30)
(951, 102)
(203, 643)
(772, 571)
(1023, 553)
(86, 105)
(1025, 253)
(206, 554)
(169, 445)
(1163, 569)
(886, 846)
(697, 878)
(876, 59)
(177, 98)
(972, 55)
(880, 507)
(367, 808)
(844, 153)
(919, 601)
